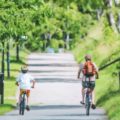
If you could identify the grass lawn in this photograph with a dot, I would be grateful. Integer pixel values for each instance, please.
(9, 84)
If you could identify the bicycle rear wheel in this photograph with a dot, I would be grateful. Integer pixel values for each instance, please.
(87, 105)
(22, 106)
(20, 109)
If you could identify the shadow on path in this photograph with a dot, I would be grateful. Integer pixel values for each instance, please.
(56, 107)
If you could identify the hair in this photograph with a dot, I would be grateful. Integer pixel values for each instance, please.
(87, 57)
(24, 69)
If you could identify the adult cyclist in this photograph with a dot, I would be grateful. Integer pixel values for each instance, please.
(84, 78)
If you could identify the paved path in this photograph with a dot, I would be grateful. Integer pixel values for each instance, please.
(57, 92)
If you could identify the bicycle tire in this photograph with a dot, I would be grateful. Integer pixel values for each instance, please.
(20, 110)
(23, 108)
(87, 105)
(22, 105)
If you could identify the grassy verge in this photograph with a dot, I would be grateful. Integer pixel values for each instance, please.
(9, 84)
(107, 93)
(104, 47)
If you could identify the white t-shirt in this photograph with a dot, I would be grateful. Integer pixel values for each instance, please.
(24, 80)
(83, 77)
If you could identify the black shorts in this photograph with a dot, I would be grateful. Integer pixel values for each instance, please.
(88, 84)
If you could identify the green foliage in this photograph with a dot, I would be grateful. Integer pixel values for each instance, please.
(34, 18)
(48, 22)
(103, 44)
(56, 44)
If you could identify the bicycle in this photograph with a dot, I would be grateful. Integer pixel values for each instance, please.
(22, 103)
(88, 97)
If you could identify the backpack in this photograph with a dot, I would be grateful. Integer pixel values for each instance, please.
(89, 69)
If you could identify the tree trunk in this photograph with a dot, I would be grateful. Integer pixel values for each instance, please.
(8, 61)
(67, 41)
(108, 3)
(99, 13)
(48, 36)
(3, 58)
(111, 19)
(17, 53)
(118, 23)
(117, 2)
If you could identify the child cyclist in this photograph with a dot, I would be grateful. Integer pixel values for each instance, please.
(24, 80)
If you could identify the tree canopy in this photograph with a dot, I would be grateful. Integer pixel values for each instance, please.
(44, 20)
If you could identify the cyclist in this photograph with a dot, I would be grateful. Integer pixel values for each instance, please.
(85, 78)
(24, 80)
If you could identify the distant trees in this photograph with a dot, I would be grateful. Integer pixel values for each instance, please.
(42, 22)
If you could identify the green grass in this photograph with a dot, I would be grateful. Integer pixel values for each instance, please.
(9, 84)
(104, 47)
(107, 90)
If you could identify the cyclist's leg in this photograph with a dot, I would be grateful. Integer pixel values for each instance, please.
(83, 92)
(17, 96)
(20, 93)
(93, 94)
(28, 96)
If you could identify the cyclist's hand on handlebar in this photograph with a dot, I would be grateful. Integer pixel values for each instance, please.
(32, 86)
(97, 77)
(17, 83)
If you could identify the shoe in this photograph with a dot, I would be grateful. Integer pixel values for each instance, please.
(93, 106)
(27, 108)
(82, 102)
(17, 105)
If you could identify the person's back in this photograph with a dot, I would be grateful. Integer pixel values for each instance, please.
(24, 80)
(90, 70)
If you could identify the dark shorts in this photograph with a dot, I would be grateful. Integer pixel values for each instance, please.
(87, 84)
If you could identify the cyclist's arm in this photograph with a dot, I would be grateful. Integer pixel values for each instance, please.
(17, 80)
(96, 68)
(79, 74)
(79, 71)
(97, 75)
(33, 83)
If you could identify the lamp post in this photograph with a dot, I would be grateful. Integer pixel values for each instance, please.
(67, 41)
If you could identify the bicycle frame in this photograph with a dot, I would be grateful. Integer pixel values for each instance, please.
(88, 98)
(22, 103)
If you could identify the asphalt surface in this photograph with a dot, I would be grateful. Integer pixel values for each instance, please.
(57, 92)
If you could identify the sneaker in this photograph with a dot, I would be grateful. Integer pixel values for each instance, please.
(82, 102)
(93, 106)
(27, 108)
(17, 105)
